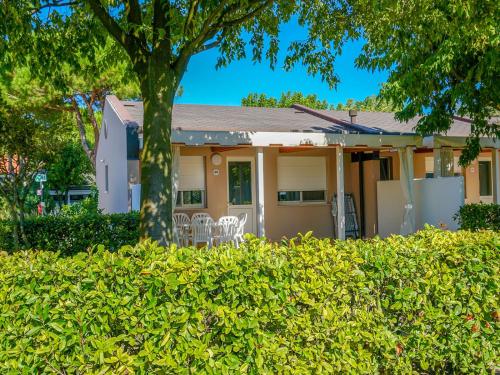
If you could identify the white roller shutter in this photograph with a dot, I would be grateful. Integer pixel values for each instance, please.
(191, 173)
(301, 173)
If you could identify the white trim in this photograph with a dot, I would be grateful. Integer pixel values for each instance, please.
(437, 163)
(495, 175)
(339, 164)
(288, 139)
(261, 229)
(437, 141)
(486, 198)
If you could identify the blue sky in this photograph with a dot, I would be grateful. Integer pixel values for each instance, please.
(203, 84)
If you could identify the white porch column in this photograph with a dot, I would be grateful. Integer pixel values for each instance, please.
(437, 163)
(495, 166)
(406, 179)
(261, 231)
(339, 160)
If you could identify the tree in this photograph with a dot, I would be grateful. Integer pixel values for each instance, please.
(68, 167)
(73, 75)
(442, 57)
(160, 37)
(285, 101)
(28, 144)
(371, 103)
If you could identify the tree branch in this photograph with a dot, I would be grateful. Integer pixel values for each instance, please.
(81, 129)
(128, 41)
(53, 4)
(190, 16)
(134, 17)
(246, 17)
(205, 34)
(216, 23)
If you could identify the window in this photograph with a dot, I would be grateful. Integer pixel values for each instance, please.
(106, 179)
(301, 196)
(105, 126)
(485, 188)
(457, 169)
(191, 184)
(386, 169)
(301, 179)
(429, 166)
(191, 198)
(449, 165)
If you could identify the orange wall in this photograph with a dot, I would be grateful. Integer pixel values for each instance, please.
(280, 219)
(287, 220)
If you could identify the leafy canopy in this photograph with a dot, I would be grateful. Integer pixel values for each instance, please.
(286, 100)
(442, 57)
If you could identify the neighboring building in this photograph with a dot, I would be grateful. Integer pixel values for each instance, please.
(283, 166)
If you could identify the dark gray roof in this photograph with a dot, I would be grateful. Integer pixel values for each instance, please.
(299, 119)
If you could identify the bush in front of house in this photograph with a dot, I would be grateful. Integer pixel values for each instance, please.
(427, 303)
(70, 234)
(479, 216)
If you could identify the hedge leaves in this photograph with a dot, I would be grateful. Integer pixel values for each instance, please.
(427, 303)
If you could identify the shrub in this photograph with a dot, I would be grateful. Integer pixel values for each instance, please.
(479, 216)
(87, 206)
(72, 234)
(427, 303)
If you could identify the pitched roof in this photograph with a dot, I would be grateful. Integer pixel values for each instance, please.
(296, 119)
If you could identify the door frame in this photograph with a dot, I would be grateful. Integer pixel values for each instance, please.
(251, 159)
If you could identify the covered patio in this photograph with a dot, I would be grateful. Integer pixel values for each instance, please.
(338, 173)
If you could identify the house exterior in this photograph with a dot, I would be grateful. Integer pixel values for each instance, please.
(288, 168)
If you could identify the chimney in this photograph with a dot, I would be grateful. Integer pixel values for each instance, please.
(353, 114)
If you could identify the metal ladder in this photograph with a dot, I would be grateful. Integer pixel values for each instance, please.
(351, 219)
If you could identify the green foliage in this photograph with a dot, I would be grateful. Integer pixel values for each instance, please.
(74, 232)
(69, 167)
(370, 103)
(427, 303)
(442, 57)
(87, 206)
(28, 143)
(285, 101)
(479, 216)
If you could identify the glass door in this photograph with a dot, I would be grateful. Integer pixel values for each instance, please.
(240, 184)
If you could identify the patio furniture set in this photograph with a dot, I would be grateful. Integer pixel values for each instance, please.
(202, 229)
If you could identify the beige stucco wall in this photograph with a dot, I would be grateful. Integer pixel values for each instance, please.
(471, 173)
(286, 220)
(281, 220)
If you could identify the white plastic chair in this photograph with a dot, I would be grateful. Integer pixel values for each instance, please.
(202, 227)
(182, 225)
(242, 218)
(200, 214)
(228, 227)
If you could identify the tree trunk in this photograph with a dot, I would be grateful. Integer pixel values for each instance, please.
(158, 86)
(15, 225)
(21, 224)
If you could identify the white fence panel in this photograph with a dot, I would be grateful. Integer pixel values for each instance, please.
(436, 202)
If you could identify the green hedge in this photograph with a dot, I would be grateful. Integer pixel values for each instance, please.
(479, 216)
(72, 234)
(427, 303)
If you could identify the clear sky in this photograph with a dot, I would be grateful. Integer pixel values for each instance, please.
(203, 84)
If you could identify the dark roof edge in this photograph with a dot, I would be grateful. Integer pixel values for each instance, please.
(348, 125)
